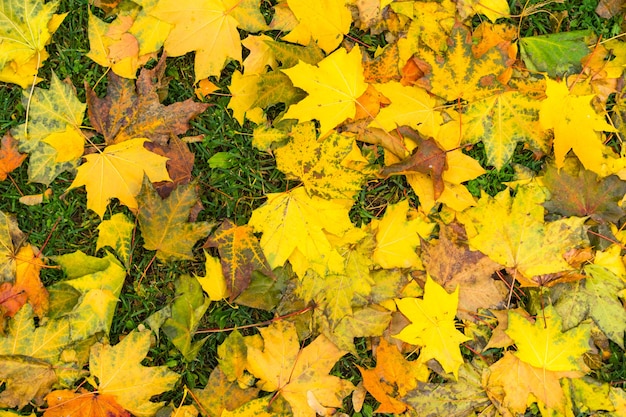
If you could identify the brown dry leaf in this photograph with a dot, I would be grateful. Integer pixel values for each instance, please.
(107, 5)
(129, 111)
(240, 254)
(179, 164)
(427, 158)
(609, 8)
(10, 157)
(392, 378)
(450, 263)
(63, 403)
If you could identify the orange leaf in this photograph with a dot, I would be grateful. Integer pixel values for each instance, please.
(392, 378)
(64, 403)
(10, 157)
(28, 266)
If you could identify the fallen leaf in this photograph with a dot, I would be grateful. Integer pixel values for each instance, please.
(164, 223)
(292, 222)
(512, 232)
(44, 343)
(117, 172)
(576, 191)
(576, 126)
(187, 310)
(326, 167)
(221, 395)
(11, 239)
(282, 366)
(10, 157)
(116, 233)
(427, 158)
(451, 398)
(450, 263)
(458, 74)
(324, 21)
(63, 403)
(432, 326)
(26, 27)
(52, 137)
(334, 86)
(410, 106)
(121, 375)
(398, 235)
(240, 254)
(98, 282)
(214, 282)
(26, 379)
(392, 378)
(513, 385)
(130, 111)
(179, 164)
(209, 28)
(28, 265)
(596, 297)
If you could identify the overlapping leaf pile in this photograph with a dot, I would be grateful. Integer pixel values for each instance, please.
(437, 280)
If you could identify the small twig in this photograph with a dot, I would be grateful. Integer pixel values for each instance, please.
(54, 226)
(263, 323)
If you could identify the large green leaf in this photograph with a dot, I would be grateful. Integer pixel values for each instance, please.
(556, 53)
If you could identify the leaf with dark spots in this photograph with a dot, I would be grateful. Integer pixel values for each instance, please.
(240, 254)
(129, 111)
(427, 158)
(579, 192)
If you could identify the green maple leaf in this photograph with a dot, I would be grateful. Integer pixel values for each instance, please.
(594, 297)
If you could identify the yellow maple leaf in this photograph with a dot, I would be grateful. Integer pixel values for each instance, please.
(411, 106)
(431, 25)
(544, 345)
(297, 374)
(458, 74)
(493, 9)
(322, 166)
(544, 355)
(244, 90)
(334, 86)
(577, 127)
(295, 227)
(213, 282)
(207, 27)
(433, 327)
(26, 27)
(117, 172)
(326, 21)
(500, 122)
(261, 55)
(121, 375)
(512, 232)
(398, 236)
(513, 385)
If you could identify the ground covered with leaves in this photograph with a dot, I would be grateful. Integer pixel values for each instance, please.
(277, 208)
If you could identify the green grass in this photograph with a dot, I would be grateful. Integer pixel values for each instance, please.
(63, 225)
